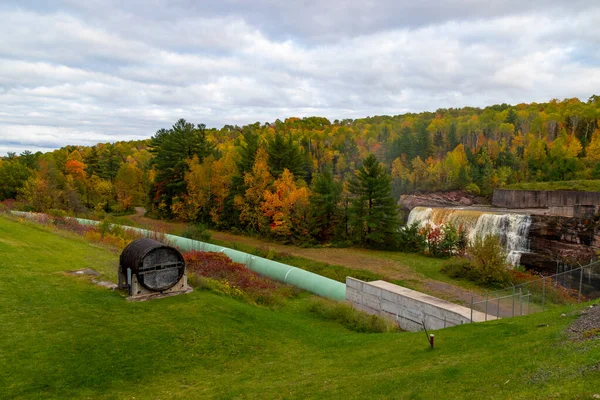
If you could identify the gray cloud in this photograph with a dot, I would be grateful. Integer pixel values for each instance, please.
(82, 72)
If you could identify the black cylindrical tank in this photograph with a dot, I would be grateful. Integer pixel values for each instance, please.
(157, 266)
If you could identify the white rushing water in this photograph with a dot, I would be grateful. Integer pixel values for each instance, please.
(513, 229)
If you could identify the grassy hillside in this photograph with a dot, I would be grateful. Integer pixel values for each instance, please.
(63, 337)
(583, 185)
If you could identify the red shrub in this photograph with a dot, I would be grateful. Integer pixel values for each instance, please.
(554, 292)
(220, 267)
(7, 204)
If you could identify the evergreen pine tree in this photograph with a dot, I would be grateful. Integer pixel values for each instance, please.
(373, 211)
(326, 195)
(284, 154)
(248, 150)
(172, 148)
(109, 162)
(452, 139)
(512, 118)
(28, 159)
(92, 162)
(424, 143)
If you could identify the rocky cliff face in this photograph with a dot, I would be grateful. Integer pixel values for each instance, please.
(455, 198)
(572, 240)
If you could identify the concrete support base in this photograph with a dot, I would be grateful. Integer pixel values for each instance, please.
(137, 292)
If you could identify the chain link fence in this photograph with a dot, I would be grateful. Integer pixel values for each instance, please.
(569, 285)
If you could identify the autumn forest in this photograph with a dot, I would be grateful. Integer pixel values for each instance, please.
(311, 180)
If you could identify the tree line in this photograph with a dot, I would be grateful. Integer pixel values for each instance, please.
(311, 179)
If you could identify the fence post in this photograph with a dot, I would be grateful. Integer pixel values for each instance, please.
(543, 293)
(521, 301)
(486, 305)
(498, 308)
(580, 283)
(471, 306)
(513, 299)
(528, 300)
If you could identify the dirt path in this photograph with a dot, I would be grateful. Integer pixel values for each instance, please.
(352, 258)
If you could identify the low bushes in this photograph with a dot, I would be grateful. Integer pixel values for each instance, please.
(105, 233)
(228, 277)
(484, 263)
(488, 259)
(349, 317)
(197, 232)
(437, 241)
(534, 283)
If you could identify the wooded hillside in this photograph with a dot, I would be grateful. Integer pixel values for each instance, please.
(311, 177)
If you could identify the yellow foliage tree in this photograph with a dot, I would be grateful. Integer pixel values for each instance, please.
(37, 194)
(221, 181)
(129, 185)
(593, 150)
(454, 162)
(257, 182)
(195, 204)
(399, 170)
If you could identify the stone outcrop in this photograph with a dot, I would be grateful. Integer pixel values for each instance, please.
(571, 240)
(455, 198)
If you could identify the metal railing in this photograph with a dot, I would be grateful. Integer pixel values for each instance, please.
(569, 285)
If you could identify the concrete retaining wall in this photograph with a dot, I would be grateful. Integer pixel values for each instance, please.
(507, 198)
(408, 307)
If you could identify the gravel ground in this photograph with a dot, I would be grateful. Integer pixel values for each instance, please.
(587, 326)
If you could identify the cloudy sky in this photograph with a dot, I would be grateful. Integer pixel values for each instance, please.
(82, 72)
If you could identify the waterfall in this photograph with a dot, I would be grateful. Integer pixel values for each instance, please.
(513, 229)
(420, 215)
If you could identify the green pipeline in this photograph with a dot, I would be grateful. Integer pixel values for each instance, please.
(300, 278)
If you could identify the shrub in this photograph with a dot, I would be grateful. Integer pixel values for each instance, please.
(457, 267)
(261, 251)
(349, 317)
(104, 227)
(462, 242)
(410, 239)
(220, 268)
(437, 241)
(54, 212)
(434, 238)
(222, 287)
(488, 260)
(197, 232)
(104, 233)
(485, 263)
(532, 282)
(473, 189)
(8, 204)
(272, 255)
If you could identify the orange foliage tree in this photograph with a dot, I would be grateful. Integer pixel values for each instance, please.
(286, 206)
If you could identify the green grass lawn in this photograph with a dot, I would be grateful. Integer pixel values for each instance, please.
(585, 185)
(427, 266)
(63, 337)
